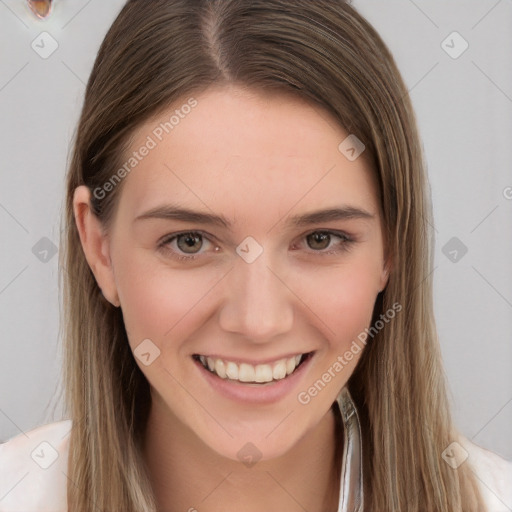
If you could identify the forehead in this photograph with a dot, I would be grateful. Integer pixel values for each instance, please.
(245, 154)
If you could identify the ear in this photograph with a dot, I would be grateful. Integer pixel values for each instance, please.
(95, 244)
(386, 269)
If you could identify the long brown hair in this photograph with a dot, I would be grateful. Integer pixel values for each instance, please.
(160, 51)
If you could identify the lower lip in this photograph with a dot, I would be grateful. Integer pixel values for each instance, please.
(267, 393)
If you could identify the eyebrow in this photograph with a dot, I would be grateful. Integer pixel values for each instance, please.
(170, 212)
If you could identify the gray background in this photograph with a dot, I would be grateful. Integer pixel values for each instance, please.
(464, 108)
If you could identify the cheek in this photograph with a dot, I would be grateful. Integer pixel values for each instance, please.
(162, 303)
(344, 299)
(155, 298)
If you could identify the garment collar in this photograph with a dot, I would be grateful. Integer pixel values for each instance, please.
(351, 481)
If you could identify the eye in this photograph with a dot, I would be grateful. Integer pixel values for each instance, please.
(185, 245)
(319, 241)
(191, 245)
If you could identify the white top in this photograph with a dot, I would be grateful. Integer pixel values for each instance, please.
(33, 469)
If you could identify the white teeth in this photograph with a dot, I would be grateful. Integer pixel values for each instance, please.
(232, 371)
(245, 372)
(280, 370)
(290, 365)
(220, 368)
(263, 373)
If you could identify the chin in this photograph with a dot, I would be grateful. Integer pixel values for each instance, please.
(250, 452)
(258, 440)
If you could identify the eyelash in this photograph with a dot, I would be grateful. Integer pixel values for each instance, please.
(346, 241)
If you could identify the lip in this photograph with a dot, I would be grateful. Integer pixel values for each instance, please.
(253, 362)
(267, 393)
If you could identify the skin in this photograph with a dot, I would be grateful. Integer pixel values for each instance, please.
(257, 159)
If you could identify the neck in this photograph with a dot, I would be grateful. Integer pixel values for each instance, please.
(188, 476)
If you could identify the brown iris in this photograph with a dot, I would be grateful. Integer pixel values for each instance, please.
(187, 241)
(319, 240)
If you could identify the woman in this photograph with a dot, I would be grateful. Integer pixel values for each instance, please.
(247, 283)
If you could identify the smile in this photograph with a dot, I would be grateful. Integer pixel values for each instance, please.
(245, 372)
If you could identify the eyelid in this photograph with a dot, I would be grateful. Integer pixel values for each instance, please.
(163, 243)
(347, 240)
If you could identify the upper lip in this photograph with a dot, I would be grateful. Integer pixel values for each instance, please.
(239, 360)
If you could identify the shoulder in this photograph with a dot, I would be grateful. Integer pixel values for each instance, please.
(493, 474)
(33, 469)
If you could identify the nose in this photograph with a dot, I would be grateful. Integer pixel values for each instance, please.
(258, 305)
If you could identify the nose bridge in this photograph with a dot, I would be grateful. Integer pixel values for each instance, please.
(258, 304)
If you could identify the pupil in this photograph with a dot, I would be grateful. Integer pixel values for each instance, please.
(189, 240)
(319, 240)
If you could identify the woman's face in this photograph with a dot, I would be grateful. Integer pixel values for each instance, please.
(264, 248)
